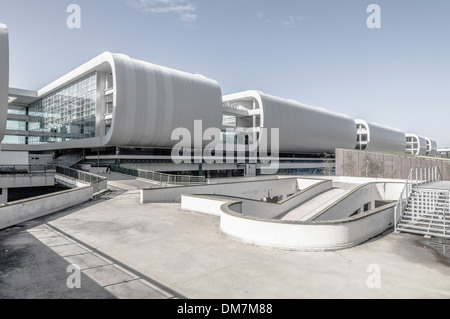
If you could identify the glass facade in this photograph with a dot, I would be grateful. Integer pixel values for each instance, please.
(13, 139)
(64, 115)
(13, 125)
(17, 111)
(67, 114)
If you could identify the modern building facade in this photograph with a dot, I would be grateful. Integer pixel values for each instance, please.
(4, 78)
(431, 147)
(302, 128)
(378, 138)
(112, 100)
(416, 144)
(118, 110)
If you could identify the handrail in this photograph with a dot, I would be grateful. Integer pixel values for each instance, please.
(99, 183)
(417, 176)
(161, 178)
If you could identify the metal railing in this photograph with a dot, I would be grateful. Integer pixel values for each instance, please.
(99, 183)
(26, 169)
(161, 178)
(417, 176)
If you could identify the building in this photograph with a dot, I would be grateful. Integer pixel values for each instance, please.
(378, 138)
(302, 128)
(116, 110)
(416, 144)
(431, 147)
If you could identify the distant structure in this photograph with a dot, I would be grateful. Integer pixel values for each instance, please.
(377, 138)
(416, 145)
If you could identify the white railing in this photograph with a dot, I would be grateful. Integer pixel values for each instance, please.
(417, 176)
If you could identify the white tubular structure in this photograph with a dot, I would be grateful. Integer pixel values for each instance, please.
(416, 145)
(378, 138)
(140, 104)
(4, 78)
(302, 128)
(431, 147)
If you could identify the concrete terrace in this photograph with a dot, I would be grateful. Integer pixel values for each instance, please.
(129, 250)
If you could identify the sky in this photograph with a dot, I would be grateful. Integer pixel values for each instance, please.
(318, 52)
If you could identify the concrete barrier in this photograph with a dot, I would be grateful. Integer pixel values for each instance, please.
(255, 190)
(257, 208)
(21, 211)
(69, 181)
(27, 180)
(253, 221)
(209, 206)
(305, 236)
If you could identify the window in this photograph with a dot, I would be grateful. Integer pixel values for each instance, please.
(66, 114)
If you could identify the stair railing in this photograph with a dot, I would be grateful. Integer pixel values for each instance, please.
(417, 176)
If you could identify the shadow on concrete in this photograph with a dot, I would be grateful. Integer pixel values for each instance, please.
(31, 270)
(25, 261)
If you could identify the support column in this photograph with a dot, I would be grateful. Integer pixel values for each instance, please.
(3, 196)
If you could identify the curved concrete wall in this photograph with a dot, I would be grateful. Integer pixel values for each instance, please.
(4, 78)
(251, 207)
(384, 139)
(306, 236)
(253, 223)
(303, 128)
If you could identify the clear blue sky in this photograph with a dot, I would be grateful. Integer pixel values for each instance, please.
(318, 52)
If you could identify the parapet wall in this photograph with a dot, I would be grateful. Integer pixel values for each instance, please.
(21, 211)
(255, 190)
(382, 165)
(255, 222)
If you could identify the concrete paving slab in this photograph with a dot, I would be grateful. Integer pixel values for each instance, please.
(69, 250)
(88, 261)
(44, 233)
(55, 241)
(136, 289)
(108, 275)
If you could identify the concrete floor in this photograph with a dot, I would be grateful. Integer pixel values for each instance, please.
(129, 250)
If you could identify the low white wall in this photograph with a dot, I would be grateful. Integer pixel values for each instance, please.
(305, 183)
(27, 180)
(211, 204)
(390, 191)
(306, 236)
(22, 211)
(250, 189)
(69, 181)
(200, 204)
